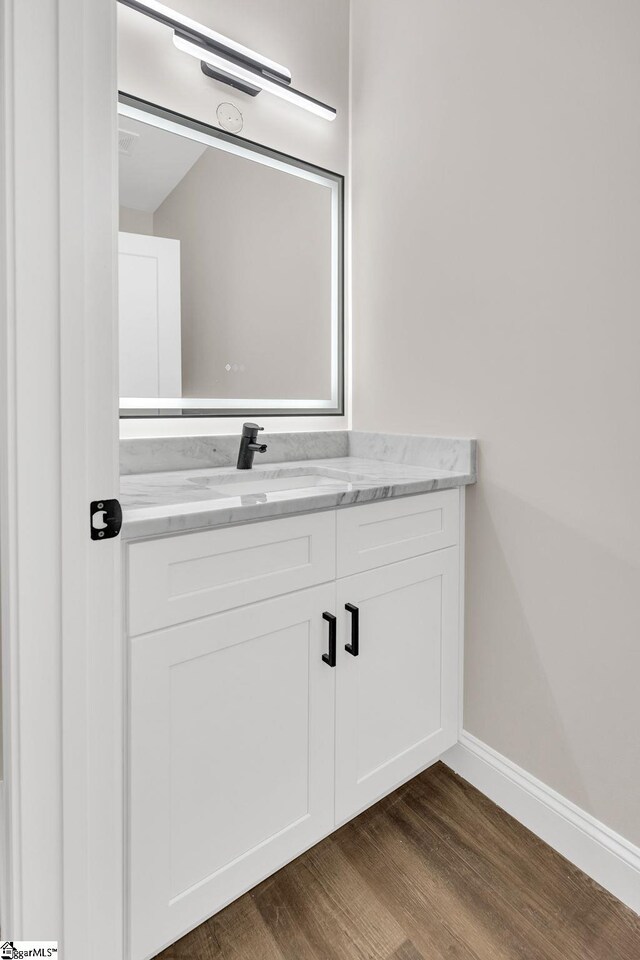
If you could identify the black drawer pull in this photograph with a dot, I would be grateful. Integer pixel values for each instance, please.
(330, 657)
(354, 647)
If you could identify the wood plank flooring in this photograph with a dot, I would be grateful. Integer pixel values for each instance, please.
(435, 871)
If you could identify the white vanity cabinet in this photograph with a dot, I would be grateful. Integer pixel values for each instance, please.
(246, 744)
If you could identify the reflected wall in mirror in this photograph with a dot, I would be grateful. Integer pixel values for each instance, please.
(230, 273)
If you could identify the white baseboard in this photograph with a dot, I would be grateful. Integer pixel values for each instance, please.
(4, 873)
(605, 856)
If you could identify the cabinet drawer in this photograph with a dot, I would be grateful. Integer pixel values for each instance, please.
(193, 575)
(375, 534)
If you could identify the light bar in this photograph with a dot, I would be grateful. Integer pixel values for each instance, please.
(238, 74)
(191, 403)
(171, 18)
(228, 61)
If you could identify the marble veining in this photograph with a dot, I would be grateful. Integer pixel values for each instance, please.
(441, 453)
(158, 503)
(155, 454)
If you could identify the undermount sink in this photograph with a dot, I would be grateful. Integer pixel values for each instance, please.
(238, 483)
(234, 486)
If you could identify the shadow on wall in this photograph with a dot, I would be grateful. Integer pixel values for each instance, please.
(543, 603)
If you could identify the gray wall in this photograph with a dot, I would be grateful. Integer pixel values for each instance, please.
(255, 262)
(497, 294)
(136, 221)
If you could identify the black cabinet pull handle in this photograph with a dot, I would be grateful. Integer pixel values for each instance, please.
(354, 647)
(330, 657)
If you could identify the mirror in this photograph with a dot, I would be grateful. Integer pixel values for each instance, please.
(230, 273)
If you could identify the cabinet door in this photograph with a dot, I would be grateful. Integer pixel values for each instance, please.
(396, 702)
(232, 764)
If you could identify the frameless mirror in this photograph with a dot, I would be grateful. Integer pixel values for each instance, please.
(230, 273)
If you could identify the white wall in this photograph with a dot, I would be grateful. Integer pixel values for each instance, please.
(497, 294)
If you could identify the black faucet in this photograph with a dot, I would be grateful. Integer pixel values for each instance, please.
(248, 446)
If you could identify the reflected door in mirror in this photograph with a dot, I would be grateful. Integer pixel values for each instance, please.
(150, 333)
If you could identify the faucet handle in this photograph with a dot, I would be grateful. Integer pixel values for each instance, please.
(251, 430)
(248, 445)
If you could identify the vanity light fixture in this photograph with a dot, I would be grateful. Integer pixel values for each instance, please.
(206, 36)
(250, 81)
(230, 62)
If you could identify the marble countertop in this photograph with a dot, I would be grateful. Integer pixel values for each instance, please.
(174, 501)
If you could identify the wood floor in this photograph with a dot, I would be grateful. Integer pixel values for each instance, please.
(433, 872)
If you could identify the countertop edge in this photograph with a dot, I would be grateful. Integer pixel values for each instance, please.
(148, 527)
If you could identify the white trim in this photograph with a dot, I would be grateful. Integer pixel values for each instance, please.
(10, 876)
(92, 650)
(202, 403)
(461, 606)
(602, 854)
(30, 438)
(4, 888)
(61, 669)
